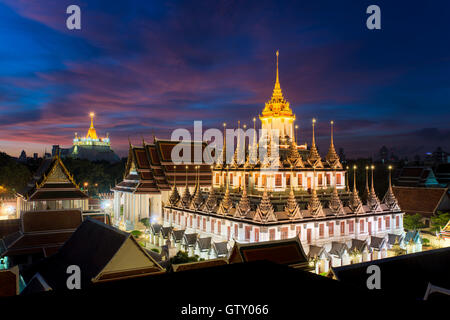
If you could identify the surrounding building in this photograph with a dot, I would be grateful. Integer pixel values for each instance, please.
(90, 147)
(415, 177)
(40, 234)
(103, 253)
(425, 201)
(52, 187)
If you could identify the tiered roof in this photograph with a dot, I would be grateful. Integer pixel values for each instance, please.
(52, 181)
(264, 209)
(150, 169)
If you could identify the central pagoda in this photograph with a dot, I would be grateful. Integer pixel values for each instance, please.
(277, 114)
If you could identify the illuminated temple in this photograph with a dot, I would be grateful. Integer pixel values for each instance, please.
(90, 147)
(295, 192)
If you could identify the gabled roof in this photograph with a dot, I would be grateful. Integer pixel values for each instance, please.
(41, 232)
(288, 252)
(190, 239)
(420, 200)
(359, 245)
(338, 249)
(377, 242)
(204, 244)
(166, 231)
(102, 252)
(155, 228)
(199, 265)
(52, 181)
(413, 236)
(394, 238)
(221, 248)
(178, 235)
(317, 252)
(150, 168)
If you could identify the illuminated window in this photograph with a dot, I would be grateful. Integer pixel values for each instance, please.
(351, 226)
(284, 233)
(361, 225)
(298, 231)
(288, 180)
(256, 179)
(248, 229)
(264, 180)
(321, 230)
(338, 179)
(328, 179)
(397, 221)
(231, 179)
(388, 222)
(320, 179)
(343, 227)
(308, 235)
(299, 179)
(331, 229)
(278, 180)
(217, 178)
(272, 234)
(256, 234)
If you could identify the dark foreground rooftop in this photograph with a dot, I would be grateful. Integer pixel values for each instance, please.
(284, 289)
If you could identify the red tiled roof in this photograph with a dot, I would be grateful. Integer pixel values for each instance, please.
(419, 199)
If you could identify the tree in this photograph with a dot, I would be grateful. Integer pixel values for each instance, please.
(413, 222)
(183, 257)
(439, 221)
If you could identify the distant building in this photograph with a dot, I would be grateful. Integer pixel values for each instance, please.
(52, 187)
(103, 253)
(90, 147)
(23, 156)
(425, 201)
(422, 176)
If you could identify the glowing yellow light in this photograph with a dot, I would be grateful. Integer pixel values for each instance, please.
(372, 167)
(332, 122)
(314, 120)
(390, 167)
(354, 167)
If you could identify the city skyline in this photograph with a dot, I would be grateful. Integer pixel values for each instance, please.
(215, 62)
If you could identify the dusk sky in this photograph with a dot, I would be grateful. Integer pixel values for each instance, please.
(148, 67)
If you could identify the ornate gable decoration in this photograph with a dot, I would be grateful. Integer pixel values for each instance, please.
(335, 204)
(265, 211)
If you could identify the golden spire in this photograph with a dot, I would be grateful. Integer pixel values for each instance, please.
(332, 157)
(277, 94)
(92, 134)
(277, 106)
(314, 157)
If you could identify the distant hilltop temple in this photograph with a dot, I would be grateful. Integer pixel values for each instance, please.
(90, 147)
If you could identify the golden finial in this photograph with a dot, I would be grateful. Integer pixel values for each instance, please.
(278, 80)
(92, 115)
(313, 135)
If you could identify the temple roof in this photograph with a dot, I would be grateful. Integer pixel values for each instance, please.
(52, 181)
(150, 168)
(277, 106)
